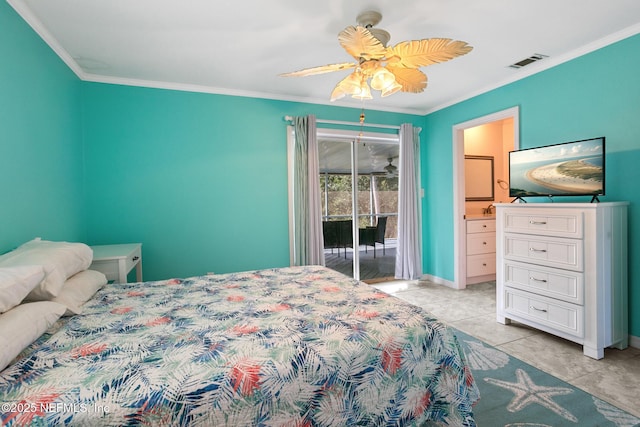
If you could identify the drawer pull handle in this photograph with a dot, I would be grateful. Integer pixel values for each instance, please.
(537, 250)
(538, 222)
(538, 280)
(484, 243)
(135, 258)
(484, 225)
(484, 264)
(537, 309)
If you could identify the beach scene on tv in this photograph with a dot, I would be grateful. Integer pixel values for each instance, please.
(574, 168)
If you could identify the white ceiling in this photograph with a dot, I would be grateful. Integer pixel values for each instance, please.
(240, 47)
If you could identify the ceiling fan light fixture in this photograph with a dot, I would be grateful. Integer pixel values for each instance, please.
(391, 89)
(382, 78)
(349, 85)
(391, 170)
(364, 92)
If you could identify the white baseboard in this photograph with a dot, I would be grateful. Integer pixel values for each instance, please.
(634, 341)
(439, 281)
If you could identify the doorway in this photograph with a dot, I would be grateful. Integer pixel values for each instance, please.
(460, 203)
(359, 196)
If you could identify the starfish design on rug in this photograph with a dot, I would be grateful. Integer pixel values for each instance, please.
(527, 392)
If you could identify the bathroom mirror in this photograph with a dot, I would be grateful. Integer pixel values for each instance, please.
(478, 178)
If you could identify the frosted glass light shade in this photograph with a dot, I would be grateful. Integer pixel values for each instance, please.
(364, 92)
(382, 78)
(391, 89)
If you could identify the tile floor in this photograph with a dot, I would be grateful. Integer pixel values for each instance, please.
(615, 378)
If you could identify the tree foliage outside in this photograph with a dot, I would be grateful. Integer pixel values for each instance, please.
(338, 200)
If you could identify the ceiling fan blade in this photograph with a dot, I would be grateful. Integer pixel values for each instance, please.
(361, 44)
(411, 79)
(320, 70)
(420, 53)
(338, 92)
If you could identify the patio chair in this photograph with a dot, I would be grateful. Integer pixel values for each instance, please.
(369, 236)
(337, 234)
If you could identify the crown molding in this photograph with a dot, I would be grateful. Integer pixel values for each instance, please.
(37, 26)
(184, 87)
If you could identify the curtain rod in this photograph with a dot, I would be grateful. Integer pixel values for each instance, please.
(337, 122)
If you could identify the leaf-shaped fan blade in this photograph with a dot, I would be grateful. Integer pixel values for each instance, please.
(411, 79)
(320, 70)
(420, 53)
(360, 43)
(337, 93)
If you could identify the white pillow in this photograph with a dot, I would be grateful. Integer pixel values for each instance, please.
(23, 324)
(60, 260)
(16, 283)
(79, 289)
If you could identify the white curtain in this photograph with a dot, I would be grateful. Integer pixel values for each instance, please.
(308, 240)
(409, 252)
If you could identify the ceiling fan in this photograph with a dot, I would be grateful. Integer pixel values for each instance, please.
(388, 69)
(392, 171)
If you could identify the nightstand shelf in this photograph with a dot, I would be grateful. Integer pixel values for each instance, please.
(116, 261)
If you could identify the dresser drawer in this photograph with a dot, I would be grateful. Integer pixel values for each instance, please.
(559, 315)
(481, 243)
(481, 226)
(561, 223)
(561, 284)
(541, 250)
(481, 265)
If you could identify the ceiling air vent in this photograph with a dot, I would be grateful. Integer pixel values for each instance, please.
(530, 60)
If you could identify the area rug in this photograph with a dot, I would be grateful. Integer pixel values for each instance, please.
(514, 393)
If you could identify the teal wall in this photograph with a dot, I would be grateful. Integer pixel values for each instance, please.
(594, 95)
(199, 179)
(40, 139)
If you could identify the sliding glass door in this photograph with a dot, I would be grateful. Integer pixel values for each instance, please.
(378, 224)
(336, 195)
(359, 194)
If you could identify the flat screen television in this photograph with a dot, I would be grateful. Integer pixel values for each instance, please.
(573, 168)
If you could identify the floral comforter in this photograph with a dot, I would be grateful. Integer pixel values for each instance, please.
(300, 346)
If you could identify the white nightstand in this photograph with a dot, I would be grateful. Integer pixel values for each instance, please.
(116, 261)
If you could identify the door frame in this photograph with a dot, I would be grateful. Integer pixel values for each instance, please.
(338, 135)
(459, 235)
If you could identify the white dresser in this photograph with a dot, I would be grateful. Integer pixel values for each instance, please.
(562, 268)
(481, 249)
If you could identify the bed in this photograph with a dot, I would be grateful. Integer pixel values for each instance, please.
(299, 346)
